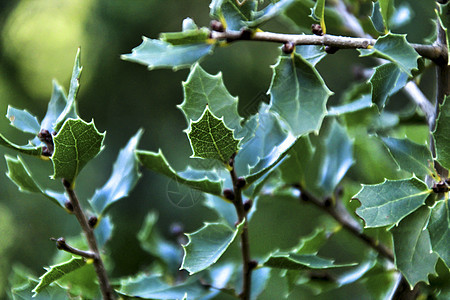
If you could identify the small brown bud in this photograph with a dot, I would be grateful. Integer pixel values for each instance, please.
(331, 49)
(229, 194)
(304, 197)
(316, 29)
(240, 182)
(248, 205)
(288, 48)
(68, 205)
(216, 26)
(327, 202)
(66, 183)
(93, 221)
(252, 264)
(246, 34)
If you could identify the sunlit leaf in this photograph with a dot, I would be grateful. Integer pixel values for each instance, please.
(23, 120)
(439, 228)
(207, 245)
(412, 249)
(75, 145)
(208, 182)
(211, 138)
(389, 202)
(441, 136)
(21, 176)
(122, 180)
(55, 107)
(55, 272)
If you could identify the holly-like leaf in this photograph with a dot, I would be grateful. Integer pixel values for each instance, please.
(293, 261)
(412, 248)
(311, 53)
(159, 54)
(71, 110)
(29, 149)
(389, 202)
(23, 120)
(186, 37)
(103, 231)
(386, 81)
(207, 245)
(57, 271)
(441, 136)
(377, 17)
(269, 12)
(21, 176)
(202, 89)
(298, 94)
(409, 156)
(75, 145)
(208, 182)
(122, 180)
(55, 107)
(317, 13)
(211, 138)
(394, 47)
(233, 15)
(439, 228)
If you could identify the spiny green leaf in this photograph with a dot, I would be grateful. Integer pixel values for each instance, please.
(29, 149)
(71, 110)
(57, 271)
(21, 176)
(208, 182)
(269, 12)
(75, 145)
(159, 54)
(293, 261)
(377, 17)
(386, 81)
(395, 48)
(23, 120)
(311, 53)
(441, 134)
(211, 138)
(232, 14)
(389, 202)
(410, 156)
(317, 13)
(55, 107)
(122, 180)
(202, 89)
(298, 94)
(413, 254)
(207, 245)
(439, 228)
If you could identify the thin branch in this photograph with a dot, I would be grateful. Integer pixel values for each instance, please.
(340, 42)
(62, 245)
(341, 215)
(105, 286)
(415, 94)
(247, 264)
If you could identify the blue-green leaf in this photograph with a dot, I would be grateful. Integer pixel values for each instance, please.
(293, 261)
(410, 156)
(311, 53)
(208, 182)
(387, 9)
(55, 107)
(395, 48)
(23, 120)
(439, 228)
(21, 176)
(389, 202)
(75, 145)
(269, 12)
(377, 18)
(364, 102)
(122, 180)
(207, 245)
(159, 54)
(233, 15)
(103, 231)
(298, 94)
(413, 254)
(441, 136)
(386, 81)
(29, 149)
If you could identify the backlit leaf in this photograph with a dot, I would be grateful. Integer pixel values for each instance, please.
(23, 120)
(389, 202)
(75, 145)
(441, 134)
(55, 107)
(29, 149)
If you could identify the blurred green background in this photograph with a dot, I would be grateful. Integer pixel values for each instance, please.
(38, 43)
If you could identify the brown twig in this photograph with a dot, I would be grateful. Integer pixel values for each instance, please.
(105, 286)
(62, 245)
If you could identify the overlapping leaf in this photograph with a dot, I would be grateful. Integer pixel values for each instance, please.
(103, 231)
(386, 81)
(412, 248)
(269, 12)
(75, 145)
(395, 48)
(439, 228)
(311, 53)
(57, 271)
(29, 149)
(55, 107)
(293, 261)
(389, 202)
(410, 156)
(207, 245)
(21, 176)
(298, 94)
(208, 182)
(232, 14)
(441, 136)
(122, 180)
(211, 138)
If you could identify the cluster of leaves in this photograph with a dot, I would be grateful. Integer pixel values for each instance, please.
(293, 146)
